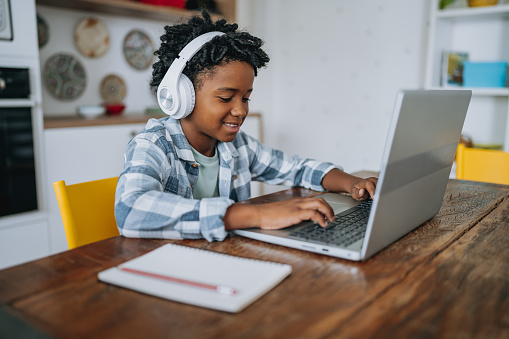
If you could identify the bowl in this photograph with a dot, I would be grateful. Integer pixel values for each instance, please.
(481, 3)
(90, 111)
(114, 109)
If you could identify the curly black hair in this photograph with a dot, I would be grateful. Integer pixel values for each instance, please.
(234, 45)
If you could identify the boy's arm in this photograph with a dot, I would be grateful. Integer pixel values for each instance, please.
(275, 167)
(359, 188)
(290, 212)
(279, 214)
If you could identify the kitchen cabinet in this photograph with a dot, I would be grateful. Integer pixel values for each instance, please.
(23, 232)
(77, 154)
(482, 33)
(25, 242)
(135, 9)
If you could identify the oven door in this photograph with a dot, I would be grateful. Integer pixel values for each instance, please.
(18, 192)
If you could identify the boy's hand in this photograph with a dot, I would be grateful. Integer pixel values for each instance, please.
(276, 215)
(285, 213)
(362, 189)
(359, 188)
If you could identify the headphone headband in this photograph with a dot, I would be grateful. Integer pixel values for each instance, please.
(196, 44)
(169, 92)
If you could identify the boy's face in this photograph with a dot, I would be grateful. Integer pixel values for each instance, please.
(222, 103)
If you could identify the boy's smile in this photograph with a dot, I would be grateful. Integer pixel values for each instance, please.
(222, 103)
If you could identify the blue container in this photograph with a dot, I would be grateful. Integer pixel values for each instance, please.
(484, 74)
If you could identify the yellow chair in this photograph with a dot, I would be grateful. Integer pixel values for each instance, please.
(482, 165)
(87, 210)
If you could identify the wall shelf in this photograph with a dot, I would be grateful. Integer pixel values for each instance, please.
(467, 12)
(134, 9)
(477, 91)
(481, 32)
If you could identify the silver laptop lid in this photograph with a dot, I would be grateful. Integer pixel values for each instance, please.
(418, 156)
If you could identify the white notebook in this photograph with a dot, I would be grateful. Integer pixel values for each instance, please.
(240, 281)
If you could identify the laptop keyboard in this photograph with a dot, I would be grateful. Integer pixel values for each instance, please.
(348, 227)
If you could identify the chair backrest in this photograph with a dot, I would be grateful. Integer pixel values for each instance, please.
(482, 165)
(87, 210)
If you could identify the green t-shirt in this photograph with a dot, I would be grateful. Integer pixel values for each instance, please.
(207, 185)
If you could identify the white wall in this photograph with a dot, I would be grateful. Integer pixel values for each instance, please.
(329, 88)
(335, 69)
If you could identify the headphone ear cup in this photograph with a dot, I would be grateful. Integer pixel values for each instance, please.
(187, 97)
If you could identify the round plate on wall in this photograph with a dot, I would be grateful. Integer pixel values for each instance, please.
(113, 89)
(5, 20)
(42, 31)
(138, 49)
(91, 37)
(64, 77)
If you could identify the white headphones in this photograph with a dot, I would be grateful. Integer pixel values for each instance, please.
(175, 93)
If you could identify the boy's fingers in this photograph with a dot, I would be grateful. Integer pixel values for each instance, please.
(318, 205)
(318, 218)
(372, 183)
(370, 187)
(325, 209)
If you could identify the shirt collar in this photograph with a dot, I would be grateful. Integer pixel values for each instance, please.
(227, 150)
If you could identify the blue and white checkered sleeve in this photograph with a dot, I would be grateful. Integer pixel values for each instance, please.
(277, 168)
(144, 210)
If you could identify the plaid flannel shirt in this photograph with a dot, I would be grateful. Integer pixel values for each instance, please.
(154, 197)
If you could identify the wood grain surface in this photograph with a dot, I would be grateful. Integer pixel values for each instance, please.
(448, 278)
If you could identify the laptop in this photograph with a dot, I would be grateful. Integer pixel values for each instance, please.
(419, 153)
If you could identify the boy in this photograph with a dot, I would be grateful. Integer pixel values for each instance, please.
(183, 177)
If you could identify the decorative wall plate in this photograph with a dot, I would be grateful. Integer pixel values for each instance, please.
(113, 89)
(138, 49)
(42, 31)
(64, 77)
(5, 20)
(91, 37)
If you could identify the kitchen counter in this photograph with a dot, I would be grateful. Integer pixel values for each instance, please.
(78, 121)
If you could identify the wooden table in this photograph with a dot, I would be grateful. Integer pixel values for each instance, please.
(449, 278)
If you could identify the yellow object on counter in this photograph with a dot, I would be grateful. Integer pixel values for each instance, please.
(481, 3)
(482, 165)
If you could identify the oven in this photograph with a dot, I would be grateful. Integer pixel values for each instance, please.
(18, 189)
(24, 227)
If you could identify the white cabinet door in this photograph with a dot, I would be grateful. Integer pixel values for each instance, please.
(25, 242)
(82, 154)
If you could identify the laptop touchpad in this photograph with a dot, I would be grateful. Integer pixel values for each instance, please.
(339, 202)
(339, 207)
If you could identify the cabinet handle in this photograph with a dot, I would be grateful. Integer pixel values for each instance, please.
(134, 133)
